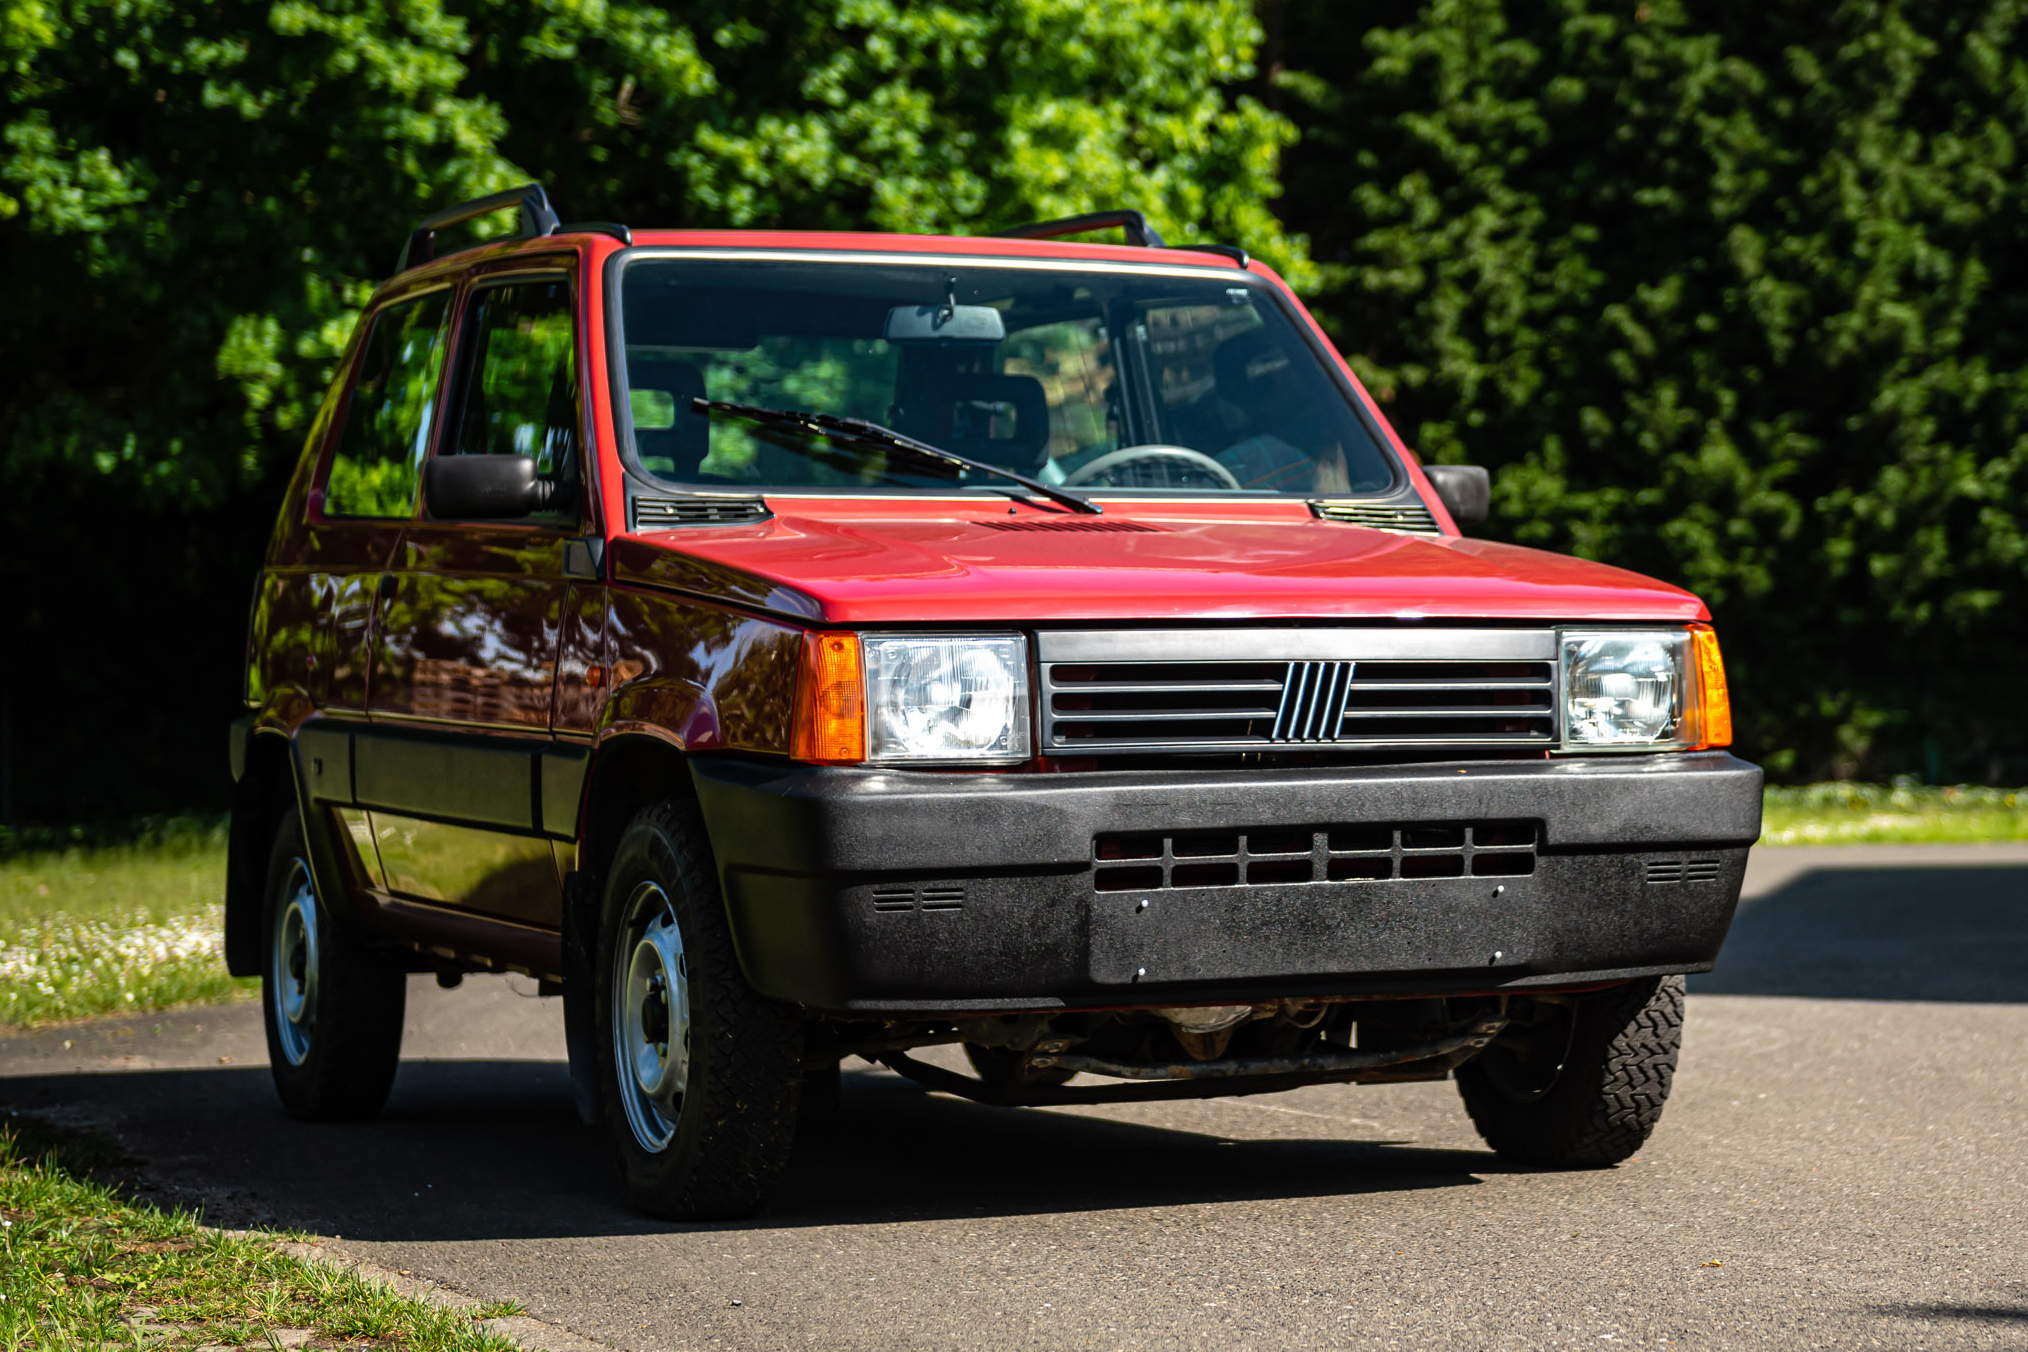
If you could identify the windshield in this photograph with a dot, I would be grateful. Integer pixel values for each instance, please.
(1125, 379)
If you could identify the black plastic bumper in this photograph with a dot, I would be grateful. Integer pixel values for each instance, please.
(911, 892)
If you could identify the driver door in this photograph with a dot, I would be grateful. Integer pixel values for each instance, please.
(466, 659)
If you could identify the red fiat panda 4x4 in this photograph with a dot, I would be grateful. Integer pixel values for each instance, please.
(796, 646)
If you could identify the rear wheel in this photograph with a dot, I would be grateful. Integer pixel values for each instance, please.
(1582, 1084)
(698, 1072)
(333, 1006)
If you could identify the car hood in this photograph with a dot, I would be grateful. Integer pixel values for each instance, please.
(869, 569)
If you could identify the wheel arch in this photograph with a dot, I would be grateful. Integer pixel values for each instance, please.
(627, 773)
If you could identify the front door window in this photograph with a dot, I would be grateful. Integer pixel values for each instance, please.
(520, 392)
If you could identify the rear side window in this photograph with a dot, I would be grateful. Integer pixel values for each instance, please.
(520, 376)
(387, 425)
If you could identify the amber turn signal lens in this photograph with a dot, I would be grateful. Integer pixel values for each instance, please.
(1714, 701)
(830, 702)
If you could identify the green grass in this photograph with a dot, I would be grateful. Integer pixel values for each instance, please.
(119, 919)
(1901, 813)
(82, 1266)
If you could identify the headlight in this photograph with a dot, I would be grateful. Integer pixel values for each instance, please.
(1627, 689)
(946, 698)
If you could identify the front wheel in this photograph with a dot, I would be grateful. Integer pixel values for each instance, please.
(1581, 1083)
(698, 1072)
(332, 1005)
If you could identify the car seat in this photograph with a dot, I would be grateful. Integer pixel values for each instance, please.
(675, 451)
(1003, 420)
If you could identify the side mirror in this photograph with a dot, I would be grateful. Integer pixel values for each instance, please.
(485, 487)
(1466, 490)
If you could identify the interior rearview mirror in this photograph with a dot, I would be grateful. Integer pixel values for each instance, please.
(945, 324)
(1466, 490)
(485, 487)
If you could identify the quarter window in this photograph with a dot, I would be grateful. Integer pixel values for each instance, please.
(386, 431)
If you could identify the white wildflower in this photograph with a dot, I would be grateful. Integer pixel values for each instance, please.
(76, 954)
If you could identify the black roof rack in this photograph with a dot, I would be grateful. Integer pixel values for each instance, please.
(1139, 232)
(1135, 224)
(613, 228)
(538, 219)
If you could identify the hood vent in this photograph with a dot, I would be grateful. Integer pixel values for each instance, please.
(1408, 518)
(667, 513)
(1082, 525)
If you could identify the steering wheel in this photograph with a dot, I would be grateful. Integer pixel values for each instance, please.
(1152, 454)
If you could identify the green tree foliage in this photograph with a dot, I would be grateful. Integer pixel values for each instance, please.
(930, 115)
(1733, 294)
(196, 196)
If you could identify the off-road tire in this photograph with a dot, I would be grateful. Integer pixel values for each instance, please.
(736, 1123)
(1603, 1103)
(361, 995)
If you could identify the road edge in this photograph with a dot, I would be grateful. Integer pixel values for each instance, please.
(523, 1330)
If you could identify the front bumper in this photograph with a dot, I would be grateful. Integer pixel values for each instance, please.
(910, 892)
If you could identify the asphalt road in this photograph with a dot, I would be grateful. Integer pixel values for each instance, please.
(1842, 1165)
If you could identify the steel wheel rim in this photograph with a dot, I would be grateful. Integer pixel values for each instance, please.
(292, 988)
(651, 1017)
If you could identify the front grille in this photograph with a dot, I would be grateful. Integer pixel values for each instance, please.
(1408, 518)
(667, 513)
(1224, 691)
(1285, 855)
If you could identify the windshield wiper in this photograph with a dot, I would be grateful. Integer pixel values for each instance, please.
(859, 432)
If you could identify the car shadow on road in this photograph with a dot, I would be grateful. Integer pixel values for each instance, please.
(2000, 1317)
(493, 1150)
(1882, 933)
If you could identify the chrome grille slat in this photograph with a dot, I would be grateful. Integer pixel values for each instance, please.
(1501, 683)
(1157, 715)
(1273, 688)
(1412, 687)
(1453, 711)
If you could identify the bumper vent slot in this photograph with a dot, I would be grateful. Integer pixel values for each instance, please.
(669, 513)
(1663, 871)
(1408, 518)
(927, 897)
(1284, 856)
